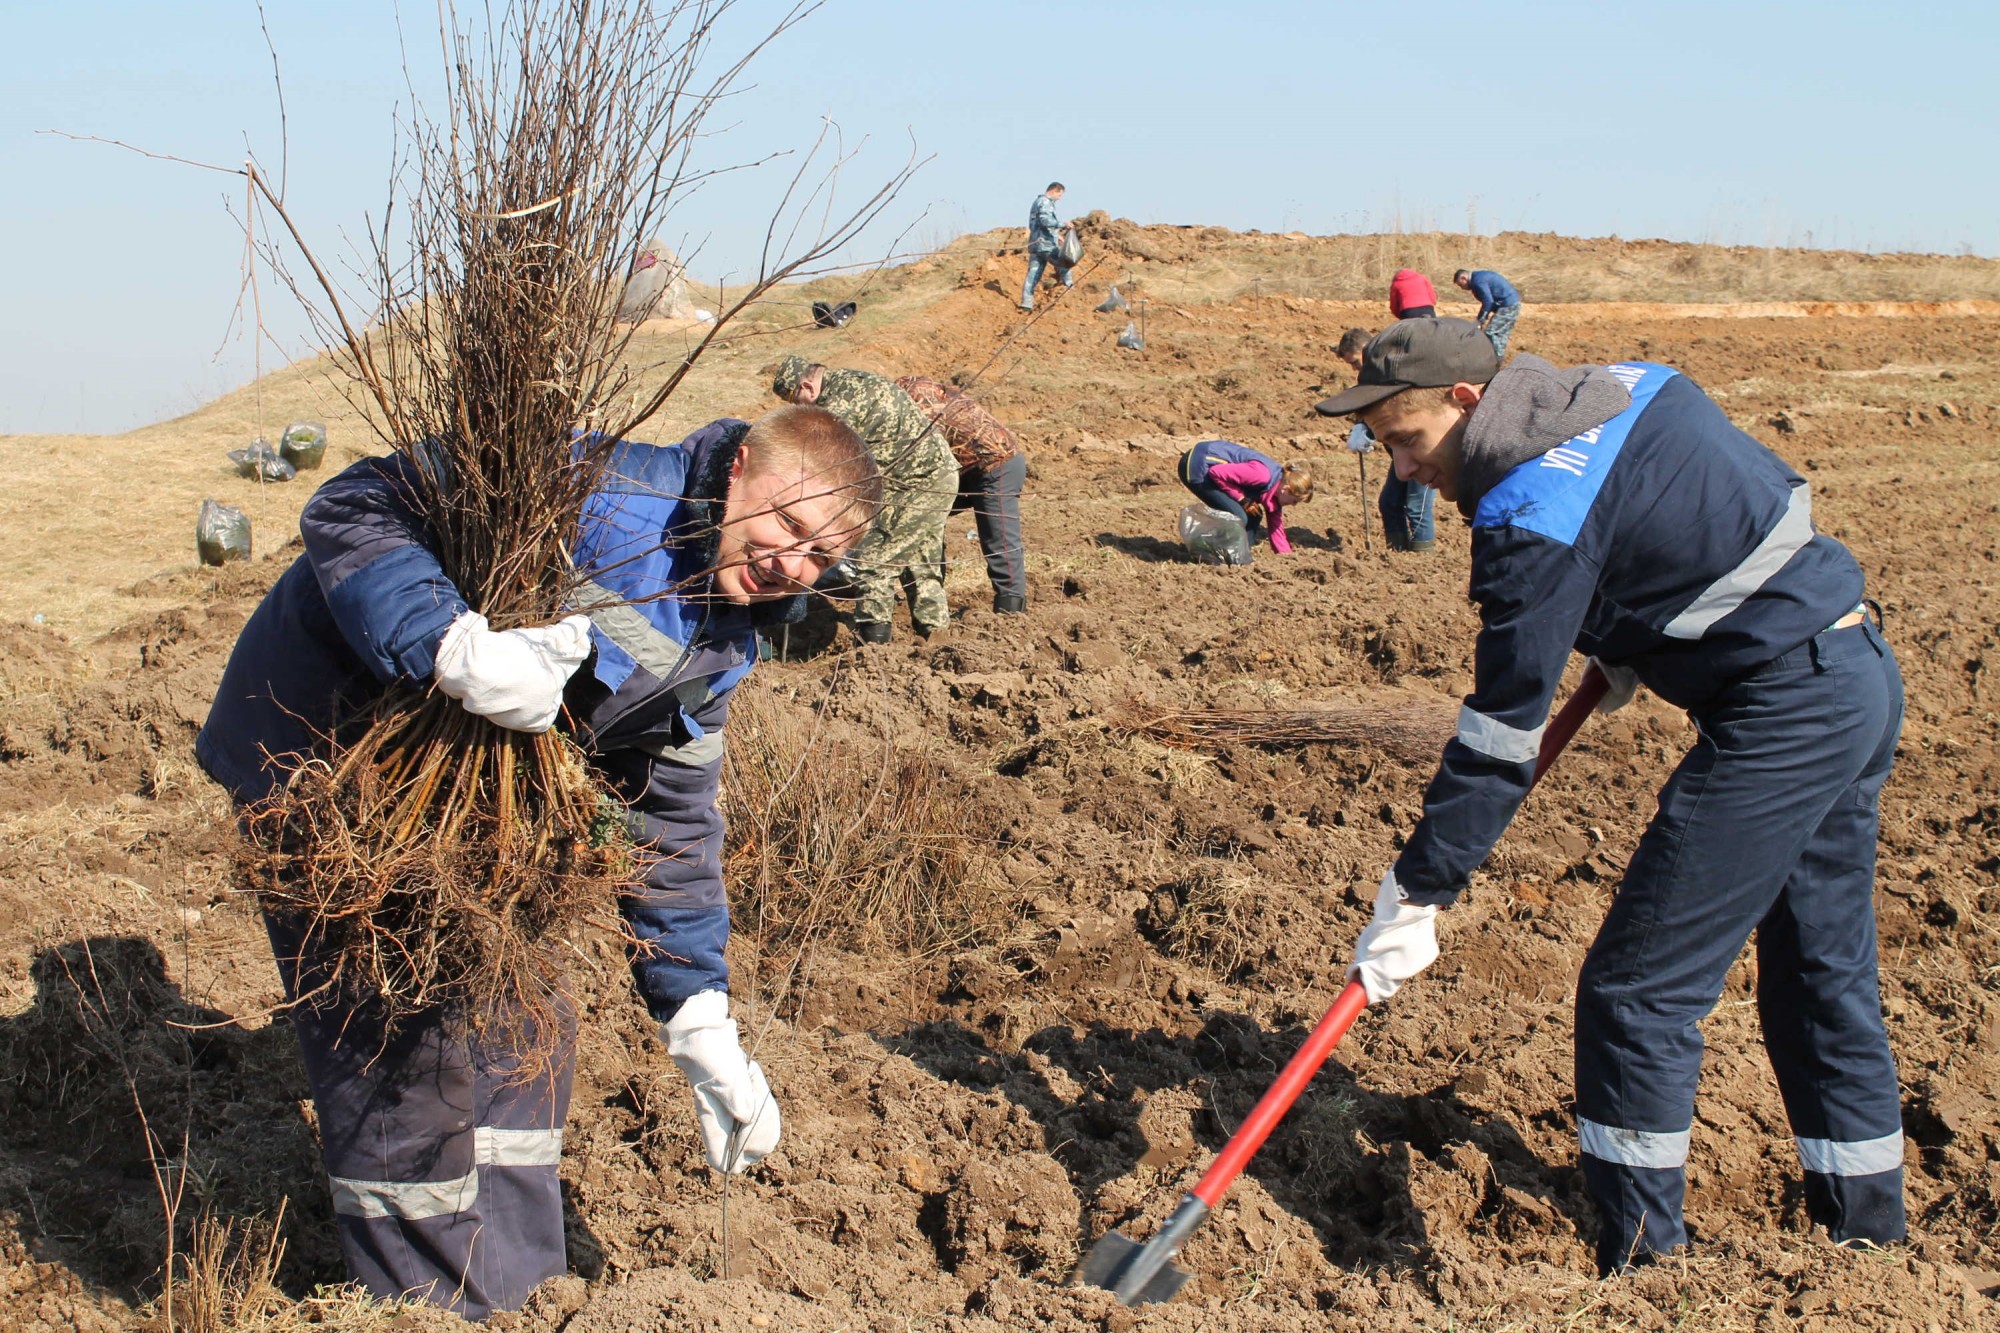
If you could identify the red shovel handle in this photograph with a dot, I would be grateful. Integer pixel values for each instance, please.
(1271, 1107)
(1299, 1070)
(1589, 692)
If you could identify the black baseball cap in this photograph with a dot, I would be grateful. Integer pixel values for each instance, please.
(1417, 354)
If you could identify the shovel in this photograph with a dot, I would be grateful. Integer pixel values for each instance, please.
(1137, 1274)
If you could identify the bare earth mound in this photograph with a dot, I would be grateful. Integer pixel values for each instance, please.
(962, 1121)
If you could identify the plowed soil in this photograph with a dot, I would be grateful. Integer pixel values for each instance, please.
(1147, 932)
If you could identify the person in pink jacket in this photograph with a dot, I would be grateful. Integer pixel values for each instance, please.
(1411, 295)
(1249, 486)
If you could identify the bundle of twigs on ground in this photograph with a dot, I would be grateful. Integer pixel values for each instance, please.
(1411, 732)
(437, 855)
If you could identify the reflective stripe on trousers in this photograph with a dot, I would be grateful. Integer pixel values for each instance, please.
(437, 1198)
(441, 1156)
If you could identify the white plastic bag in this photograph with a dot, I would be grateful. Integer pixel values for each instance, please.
(1213, 537)
(263, 462)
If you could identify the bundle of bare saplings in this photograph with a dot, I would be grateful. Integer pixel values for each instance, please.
(441, 857)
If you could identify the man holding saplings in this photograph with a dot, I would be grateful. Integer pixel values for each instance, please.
(442, 1155)
(1616, 512)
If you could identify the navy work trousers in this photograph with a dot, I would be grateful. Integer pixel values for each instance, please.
(994, 497)
(1767, 826)
(442, 1158)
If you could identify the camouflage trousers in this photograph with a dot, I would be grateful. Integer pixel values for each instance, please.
(1500, 328)
(908, 538)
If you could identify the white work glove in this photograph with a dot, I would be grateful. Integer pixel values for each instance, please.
(1621, 683)
(1359, 440)
(732, 1102)
(1400, 942)
(514, 678)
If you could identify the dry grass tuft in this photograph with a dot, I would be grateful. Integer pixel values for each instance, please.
(1205, 917)
(850, 839)
(229, 1277)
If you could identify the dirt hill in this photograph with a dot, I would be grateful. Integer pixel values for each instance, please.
(1054, 1039)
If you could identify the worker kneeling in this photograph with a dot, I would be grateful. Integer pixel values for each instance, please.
(1615, 510)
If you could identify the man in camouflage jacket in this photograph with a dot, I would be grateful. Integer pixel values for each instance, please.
(919, 482)
(991, 470)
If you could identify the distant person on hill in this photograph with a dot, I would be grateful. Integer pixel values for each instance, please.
(1044, 237)
(1617, 512)
(991, 470)
(1499, 304)
(1248, 486)
(920, 478)
(442, 1158)
(1411, 295)
(1408, 523)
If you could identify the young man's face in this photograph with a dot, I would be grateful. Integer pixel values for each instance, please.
(1056, 194)
(1353, 359)
(1425, 439)
(780, 531)
(1464, 281)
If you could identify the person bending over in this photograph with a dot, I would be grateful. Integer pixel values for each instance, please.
(441, 1155)
(1248, 486)
(1617, 512)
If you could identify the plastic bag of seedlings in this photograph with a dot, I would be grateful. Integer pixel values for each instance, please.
(1069, 248)
(303, 445)
(262, 462)
(221, 533)
(1112, 303)
(831, 315)
(1130, 339)
(1213, 537)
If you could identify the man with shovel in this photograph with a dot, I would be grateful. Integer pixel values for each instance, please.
(1616, 512)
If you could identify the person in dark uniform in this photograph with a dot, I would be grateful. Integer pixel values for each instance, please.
(1616, 512)
(441, 1154)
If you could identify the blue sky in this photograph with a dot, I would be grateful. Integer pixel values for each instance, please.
(1848, 125)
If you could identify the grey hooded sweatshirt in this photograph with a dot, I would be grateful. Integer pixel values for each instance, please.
(1531, 407)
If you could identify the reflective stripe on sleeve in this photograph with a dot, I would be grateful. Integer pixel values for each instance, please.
(1792, 531)
(417, 1199)
(1632, 1147)
(626, 626)
(1497, 740)
(1868, 1157)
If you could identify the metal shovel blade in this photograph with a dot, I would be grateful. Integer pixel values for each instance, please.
(1109, 1265)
